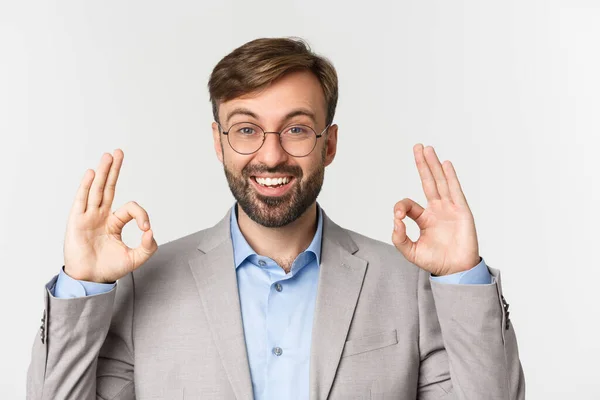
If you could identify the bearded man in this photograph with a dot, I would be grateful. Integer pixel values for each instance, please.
(275, 301)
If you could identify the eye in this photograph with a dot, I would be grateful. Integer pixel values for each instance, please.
(246, 130)
(297, 130)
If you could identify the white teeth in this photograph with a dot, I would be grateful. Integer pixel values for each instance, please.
(272, 181)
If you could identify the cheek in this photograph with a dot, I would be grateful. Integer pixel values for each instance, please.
(310, 164)
(235, 162)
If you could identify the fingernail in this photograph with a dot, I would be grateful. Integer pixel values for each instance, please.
(398, 214)
(146, 225)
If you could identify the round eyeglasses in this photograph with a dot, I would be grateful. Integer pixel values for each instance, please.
(297, 140)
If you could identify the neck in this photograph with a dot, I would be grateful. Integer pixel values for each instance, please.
(284, 243)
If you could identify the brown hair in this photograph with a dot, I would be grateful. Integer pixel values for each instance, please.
(260, 62)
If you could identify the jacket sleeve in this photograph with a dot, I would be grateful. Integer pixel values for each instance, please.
(467, 342)
(84, 349)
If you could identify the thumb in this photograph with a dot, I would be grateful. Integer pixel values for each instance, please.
(145, 250)
(401, 240)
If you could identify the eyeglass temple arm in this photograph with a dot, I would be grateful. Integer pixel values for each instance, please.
(324, 130)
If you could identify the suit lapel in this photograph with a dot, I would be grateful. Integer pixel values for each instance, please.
(214, 272)
(340, 280)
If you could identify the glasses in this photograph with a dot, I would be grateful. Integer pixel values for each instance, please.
(297, 140)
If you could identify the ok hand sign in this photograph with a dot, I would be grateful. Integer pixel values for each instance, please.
(94, 250)
(448, 240)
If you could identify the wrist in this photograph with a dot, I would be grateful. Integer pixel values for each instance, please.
(83, 277)
(471, 265)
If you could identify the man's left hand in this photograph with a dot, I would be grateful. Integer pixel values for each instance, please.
(448, 240)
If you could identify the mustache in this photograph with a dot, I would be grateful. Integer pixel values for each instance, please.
(293, 170)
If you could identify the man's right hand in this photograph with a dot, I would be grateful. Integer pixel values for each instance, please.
(94, 250)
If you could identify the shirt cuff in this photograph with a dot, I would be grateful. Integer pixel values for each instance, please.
(67, 287)
(478, 275)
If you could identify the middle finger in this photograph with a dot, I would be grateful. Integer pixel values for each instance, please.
(438, 173)
(97, 189)
(111, 180)
(427, 179)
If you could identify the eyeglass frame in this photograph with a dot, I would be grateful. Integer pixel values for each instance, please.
(318, 135)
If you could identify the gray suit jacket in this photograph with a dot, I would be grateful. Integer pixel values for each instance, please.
(173, 330)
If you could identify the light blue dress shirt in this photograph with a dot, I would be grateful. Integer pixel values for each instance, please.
(277, 311)
(277, 314)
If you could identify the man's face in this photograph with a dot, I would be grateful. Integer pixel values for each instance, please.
(265, 201)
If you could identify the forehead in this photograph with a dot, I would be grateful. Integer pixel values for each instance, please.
(294, 91)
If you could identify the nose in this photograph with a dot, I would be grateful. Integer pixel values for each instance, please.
(271, 153)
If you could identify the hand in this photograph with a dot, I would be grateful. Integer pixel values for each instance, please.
(448, 240)
(94, 250)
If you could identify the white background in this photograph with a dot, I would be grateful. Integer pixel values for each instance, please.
(508, 91)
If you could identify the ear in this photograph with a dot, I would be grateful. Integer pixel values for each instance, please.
(217, 141)
(331, 144)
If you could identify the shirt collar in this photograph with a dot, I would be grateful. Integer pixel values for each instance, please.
(242, 250)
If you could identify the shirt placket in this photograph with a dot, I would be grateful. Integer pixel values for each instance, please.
(280, 355)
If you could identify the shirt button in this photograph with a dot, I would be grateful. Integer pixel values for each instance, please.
(278, 287)
(261, 263)
(277, 351)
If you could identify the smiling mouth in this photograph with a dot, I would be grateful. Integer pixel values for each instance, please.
(273, 182)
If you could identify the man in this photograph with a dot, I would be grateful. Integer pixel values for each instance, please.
(276, 301)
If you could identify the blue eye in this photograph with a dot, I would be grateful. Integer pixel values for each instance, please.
(246, 131)
(297, 130)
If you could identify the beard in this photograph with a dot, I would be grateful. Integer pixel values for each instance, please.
(276, 211)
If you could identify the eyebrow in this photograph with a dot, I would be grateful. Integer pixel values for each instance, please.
(288, 116)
